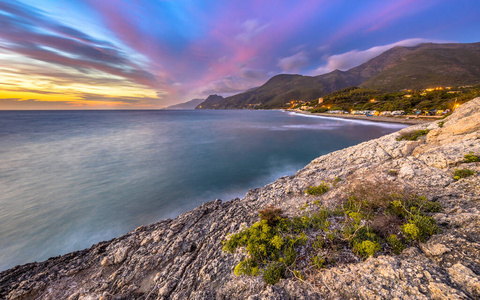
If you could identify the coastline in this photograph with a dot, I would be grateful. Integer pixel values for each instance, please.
(406, 120)
(182, 258)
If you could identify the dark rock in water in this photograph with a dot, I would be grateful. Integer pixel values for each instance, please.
(183, 259)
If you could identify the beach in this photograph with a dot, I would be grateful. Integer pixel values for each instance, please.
(410, 120)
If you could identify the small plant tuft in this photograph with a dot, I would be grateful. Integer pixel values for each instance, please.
(412, 135)
(462, 173)
(318, 261)
(367, 248)
(440, 124)
(396, 244)
(470, 157)
(318, 190)
(411, 231)
(426, 226)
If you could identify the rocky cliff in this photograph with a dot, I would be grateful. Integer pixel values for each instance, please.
(183, 259)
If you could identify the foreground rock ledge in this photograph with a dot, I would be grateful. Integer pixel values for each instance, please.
(182, 258)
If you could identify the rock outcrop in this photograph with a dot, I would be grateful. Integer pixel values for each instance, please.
(183, 259)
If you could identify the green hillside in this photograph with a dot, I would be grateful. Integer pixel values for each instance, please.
(357, 98)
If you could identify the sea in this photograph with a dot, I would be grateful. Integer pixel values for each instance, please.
(69, 179)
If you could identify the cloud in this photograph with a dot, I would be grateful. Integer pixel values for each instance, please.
(251, 74)
(294, 63)
(239, 82)
(251, 28)
(122, 99)
(350, 59)
(26, 31)
(81, 100)
(35, 91)
(17, 103)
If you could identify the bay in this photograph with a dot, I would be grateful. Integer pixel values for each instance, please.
(69, 179)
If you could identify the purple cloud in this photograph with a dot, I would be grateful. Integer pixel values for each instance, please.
(294, 63)
(27, 31)
(251, 28)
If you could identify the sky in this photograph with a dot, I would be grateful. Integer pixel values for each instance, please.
(149, 54)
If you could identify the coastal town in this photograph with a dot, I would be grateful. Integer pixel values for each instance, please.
(406, 106)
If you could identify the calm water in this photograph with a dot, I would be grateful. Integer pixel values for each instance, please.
(69, 179)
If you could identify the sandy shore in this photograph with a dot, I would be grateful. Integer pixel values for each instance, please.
(393, 119)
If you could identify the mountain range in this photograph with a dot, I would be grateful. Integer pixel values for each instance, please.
(423, 66)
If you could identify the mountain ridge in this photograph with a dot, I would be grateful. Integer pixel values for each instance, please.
(417, 67)
(185, 105)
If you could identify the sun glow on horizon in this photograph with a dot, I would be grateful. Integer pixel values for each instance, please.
(145, 54)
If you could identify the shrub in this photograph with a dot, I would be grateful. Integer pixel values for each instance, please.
(412, 135)
(426, 225)
(404, 207)
(410, 231)
(318, 190)
(273, 272)
(246, 267)
(318, 243)
(470, 157)
(396, 245)
(385, 224)
(371, 196)
(277, 242)
(440, 124)
(367, 248)
(462, 173)
(318, 110)
(271, 214)
(269, 247)
(377, 216)
(318, 261)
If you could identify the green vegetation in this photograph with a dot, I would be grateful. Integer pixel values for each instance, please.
(318, 110)
(470, 157)
(375, 218)
(395, 243)
(318, 190)
(462, 173)
(273, 272)
(440, 124)
(367, 248)
(412, 135)
(271, 248)
(357, 98)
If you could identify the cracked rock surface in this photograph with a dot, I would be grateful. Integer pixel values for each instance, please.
(183, 259)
